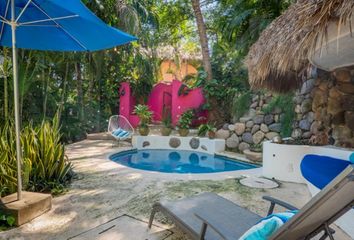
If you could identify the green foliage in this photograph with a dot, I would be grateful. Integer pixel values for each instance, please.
(167, 121)
(50, 79)
(185, 120)
(286, 104)
(205, 128)
(241, 103)
(242, 21)
(256, 147)
(86, 85)
(45, 166)
(6, 221)
(235, 25)
(144, 114)
(221, 90)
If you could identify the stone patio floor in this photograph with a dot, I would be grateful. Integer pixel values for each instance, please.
(105, 191)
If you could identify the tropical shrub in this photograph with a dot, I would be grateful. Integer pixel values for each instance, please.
(6, 221)
(241, 104)
(185, 120)
(167, 121)
(286, 104)
(144, 114)
(45, 166)
(205, 128)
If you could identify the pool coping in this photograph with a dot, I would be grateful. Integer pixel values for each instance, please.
(238, 157)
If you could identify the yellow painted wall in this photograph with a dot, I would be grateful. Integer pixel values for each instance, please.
(169, 70)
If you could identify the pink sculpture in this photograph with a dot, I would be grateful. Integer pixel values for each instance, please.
(173, 99)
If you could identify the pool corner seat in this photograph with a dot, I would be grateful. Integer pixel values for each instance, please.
(321, 170)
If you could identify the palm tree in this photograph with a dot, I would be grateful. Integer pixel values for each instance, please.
(203, 38)
(79, 87)
(243, 20)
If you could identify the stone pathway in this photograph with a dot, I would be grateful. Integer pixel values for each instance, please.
(105, 190)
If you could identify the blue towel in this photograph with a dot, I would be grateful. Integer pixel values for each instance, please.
(264, 229)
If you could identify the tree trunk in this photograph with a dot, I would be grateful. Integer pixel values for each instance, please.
(203, 38)
(45, 91)
(80, 98)
(216, 114)
(98, 59)
(63, 96)
(90, 74)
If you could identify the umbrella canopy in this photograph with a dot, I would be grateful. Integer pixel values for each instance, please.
(56, 25)
(284, 48)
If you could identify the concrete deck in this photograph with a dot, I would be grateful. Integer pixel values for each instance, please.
(104, 191)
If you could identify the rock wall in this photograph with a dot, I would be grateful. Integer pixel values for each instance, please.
(325, 108)
(253, 128)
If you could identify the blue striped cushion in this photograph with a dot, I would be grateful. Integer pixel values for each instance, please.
(120, 133)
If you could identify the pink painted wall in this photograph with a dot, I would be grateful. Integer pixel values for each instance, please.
(156, 101)
(127, 103)
(180, 104)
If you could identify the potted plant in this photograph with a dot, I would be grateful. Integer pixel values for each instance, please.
(205, 129)
(167, 126)
(145, 116)
(184, 122)
(258, 148)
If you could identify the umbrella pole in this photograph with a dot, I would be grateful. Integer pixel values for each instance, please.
(16, 100)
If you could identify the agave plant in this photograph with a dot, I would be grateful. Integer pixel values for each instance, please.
(8, 169)
(45, 166)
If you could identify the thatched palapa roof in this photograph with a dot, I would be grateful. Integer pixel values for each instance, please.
(276, 60)
(168, 52)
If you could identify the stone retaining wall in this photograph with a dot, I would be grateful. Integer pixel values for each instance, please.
(324, 108)
(253, 128)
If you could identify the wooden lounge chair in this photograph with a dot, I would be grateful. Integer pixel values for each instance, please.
(209, 216)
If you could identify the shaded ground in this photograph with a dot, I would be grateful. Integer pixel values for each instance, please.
(106, 190)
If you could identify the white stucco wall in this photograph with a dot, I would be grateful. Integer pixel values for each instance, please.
(282, 161)
(161, 142)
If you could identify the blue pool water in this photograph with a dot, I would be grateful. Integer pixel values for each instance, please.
(168, 161)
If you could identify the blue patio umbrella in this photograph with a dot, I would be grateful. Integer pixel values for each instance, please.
(53, 25)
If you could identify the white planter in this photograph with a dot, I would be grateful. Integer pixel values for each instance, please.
(282, 161)
(206, 145)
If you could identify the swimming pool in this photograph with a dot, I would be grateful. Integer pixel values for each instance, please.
(171, 161)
